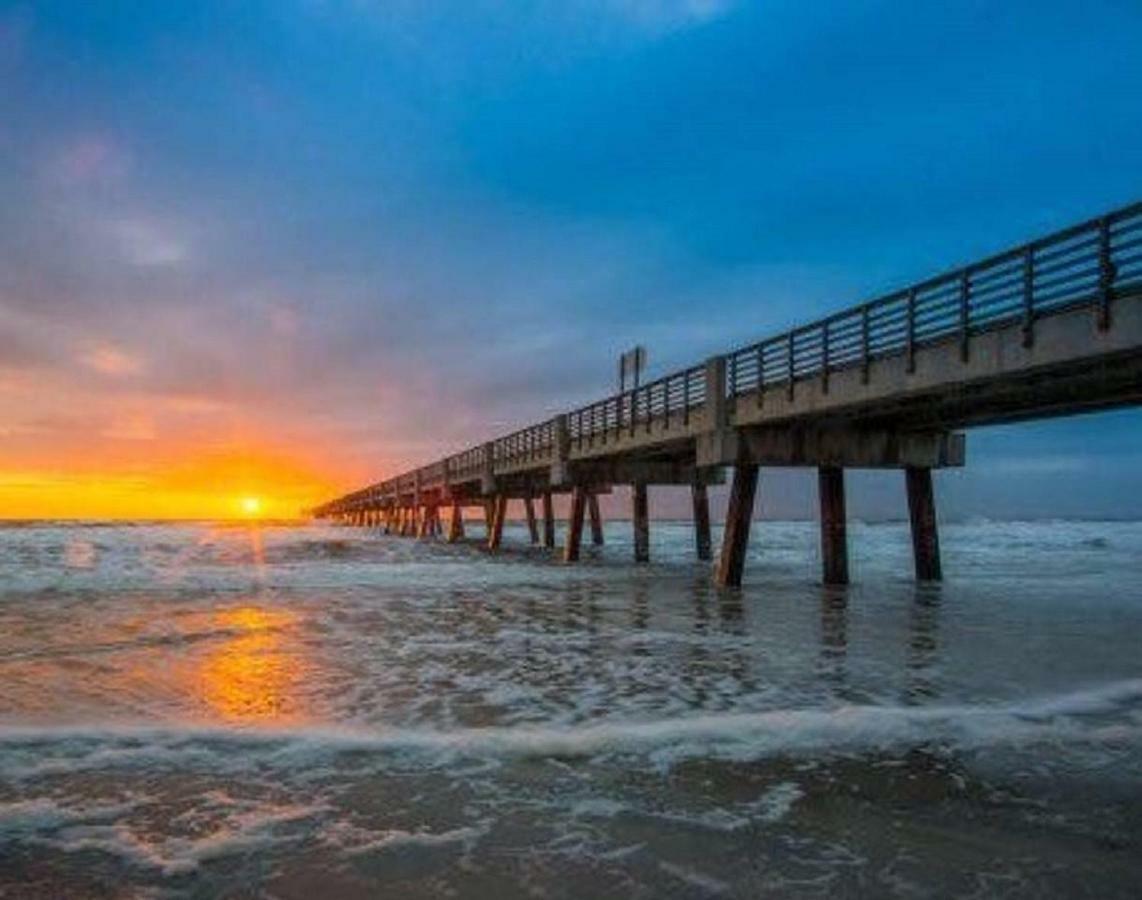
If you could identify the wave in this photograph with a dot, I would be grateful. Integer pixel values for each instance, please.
(1103, 714)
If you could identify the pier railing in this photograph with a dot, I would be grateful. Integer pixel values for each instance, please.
(1085, 265)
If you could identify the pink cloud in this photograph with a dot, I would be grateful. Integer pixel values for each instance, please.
(89, 159)
(106, 359)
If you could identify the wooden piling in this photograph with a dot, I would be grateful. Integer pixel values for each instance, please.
(739, 516)
(499, 514)
(548, 521)
(575, 525)
(701, 501)
(834, 537)
(922, 513)
(640, 518)
(455, 523)
(596, 520)
(532, 526)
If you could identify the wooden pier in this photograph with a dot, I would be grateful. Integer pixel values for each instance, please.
(1052, 327)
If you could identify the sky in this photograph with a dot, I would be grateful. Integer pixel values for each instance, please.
(281, 248)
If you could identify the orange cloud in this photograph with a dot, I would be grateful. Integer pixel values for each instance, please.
(108, 359)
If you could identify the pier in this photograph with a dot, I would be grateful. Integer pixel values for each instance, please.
(1049, 328)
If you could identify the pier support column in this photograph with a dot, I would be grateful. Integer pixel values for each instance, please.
(423, 522)
(532, 526)
(922, 513)
(596, 520)
(456, 523)
(548, 521)
(640, 518)
(834, 537)
(496, 526)
(489, 515)
(575, 525)
(739, 516)
(701, 499)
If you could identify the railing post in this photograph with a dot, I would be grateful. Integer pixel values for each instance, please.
(965, 300)
(760, 375)
(864, 362)
(789, 363)
(686, 400)
(1028, 295)
(825, 358)
(910, 330)
(1106, 274)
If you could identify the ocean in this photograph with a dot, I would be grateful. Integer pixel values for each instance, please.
(312, 711)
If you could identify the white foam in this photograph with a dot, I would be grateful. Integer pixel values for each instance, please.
(739, 736)
(244, 831)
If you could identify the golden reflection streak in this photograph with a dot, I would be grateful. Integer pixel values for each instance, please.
(254, 678)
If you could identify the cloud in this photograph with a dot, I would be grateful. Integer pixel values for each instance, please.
(89, 159)
(148, 244)
(107, 359)
(134, 427)
(668, 15)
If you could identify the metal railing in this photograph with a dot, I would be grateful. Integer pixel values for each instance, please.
(1085, 265)
(668, 402)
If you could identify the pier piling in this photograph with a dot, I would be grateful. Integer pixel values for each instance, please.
(739, 517)
(922, 514)
(834, 537)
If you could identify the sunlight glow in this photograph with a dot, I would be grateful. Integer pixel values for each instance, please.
(251, 506)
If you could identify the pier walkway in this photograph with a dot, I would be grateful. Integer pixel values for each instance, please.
(1052, 327)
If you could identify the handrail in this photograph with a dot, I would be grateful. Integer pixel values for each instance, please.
(1082, 264)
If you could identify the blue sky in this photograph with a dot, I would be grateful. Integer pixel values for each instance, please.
(367, 233)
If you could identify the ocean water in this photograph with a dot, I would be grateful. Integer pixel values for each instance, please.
(314, 711)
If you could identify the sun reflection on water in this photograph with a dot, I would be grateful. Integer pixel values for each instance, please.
(254, 677)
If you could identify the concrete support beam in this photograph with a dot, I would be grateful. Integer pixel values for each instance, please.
(719, 444)
(834, 538)
(596, 520)
(922, 513)
(575, 525)
(488, 474)
(560, 451)
(548, 521)
(625, 471)
(739, 517)
(701, 500)
(532, 526)
(640, 519)
(854, 448)
(499, 514)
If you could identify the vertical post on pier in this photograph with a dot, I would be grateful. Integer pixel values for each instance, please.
(496, 529)
(701, 501)
(456, 523)
(596, 520)
(739, 516)
(922, 513)
(575, 525)
(548, 521)
(489, 515)
(834, 538)
(640, 518)
(532, 526)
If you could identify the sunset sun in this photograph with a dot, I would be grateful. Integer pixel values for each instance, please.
(250, 506)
